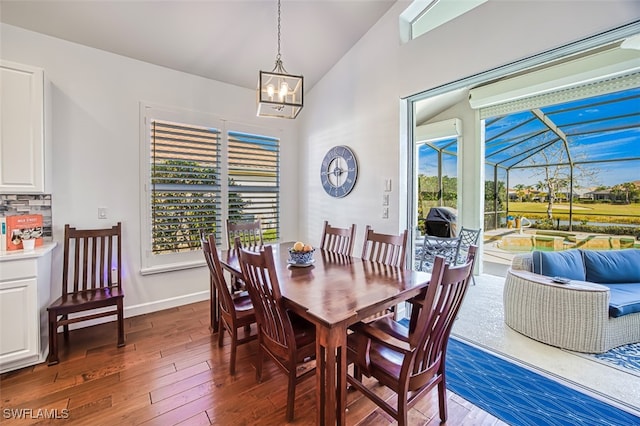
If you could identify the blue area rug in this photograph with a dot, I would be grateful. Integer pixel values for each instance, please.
(522, 397)
(627, 357)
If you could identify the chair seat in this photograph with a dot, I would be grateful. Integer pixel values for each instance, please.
(88, 299)
(384, 360)
(243, 305)
(305, 336)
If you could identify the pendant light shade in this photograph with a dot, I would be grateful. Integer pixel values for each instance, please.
(279, 93)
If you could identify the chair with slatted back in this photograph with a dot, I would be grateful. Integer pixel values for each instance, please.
(338, 240)
(385, 248)
(236, 310)
(250, 233)
(286, 338)
(411, 360)
(91, 279)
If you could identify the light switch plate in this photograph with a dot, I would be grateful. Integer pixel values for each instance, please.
(102, 212)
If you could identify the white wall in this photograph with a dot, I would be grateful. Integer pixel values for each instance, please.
(357, 102)
(95, 96)
(94, 104)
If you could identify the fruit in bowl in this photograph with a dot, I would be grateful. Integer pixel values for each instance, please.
(301, 253)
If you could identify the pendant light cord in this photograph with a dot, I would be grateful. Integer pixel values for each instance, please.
(279, 67)
(278, 55)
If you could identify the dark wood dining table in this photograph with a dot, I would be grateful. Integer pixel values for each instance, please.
(335, 292)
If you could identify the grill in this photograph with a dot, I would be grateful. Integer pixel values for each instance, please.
(441, 222)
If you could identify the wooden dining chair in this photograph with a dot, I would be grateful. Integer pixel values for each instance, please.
(236, 310)
(411, 361)
(338, 240)
(91, 279)
(283, 336)
(385, 248)
(250, 233)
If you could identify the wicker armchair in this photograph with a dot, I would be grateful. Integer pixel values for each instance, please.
(571, 316)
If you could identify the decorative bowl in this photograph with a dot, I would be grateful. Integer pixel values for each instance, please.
(301, 257)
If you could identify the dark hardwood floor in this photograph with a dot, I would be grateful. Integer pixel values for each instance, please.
(172, 372)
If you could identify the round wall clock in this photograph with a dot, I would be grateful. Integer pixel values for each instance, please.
(339, 171)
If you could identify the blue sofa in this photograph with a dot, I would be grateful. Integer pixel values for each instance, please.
(597, 310)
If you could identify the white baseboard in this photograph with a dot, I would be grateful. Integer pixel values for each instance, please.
(146, 308)
(159, 305)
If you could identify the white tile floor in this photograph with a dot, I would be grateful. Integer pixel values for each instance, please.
(481, 321)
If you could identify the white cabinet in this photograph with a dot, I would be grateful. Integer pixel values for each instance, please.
(25, 280)
(23, 166)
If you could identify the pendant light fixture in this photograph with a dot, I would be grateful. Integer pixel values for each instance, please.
(279, 93)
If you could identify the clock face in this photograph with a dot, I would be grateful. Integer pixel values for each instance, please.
(339, 171)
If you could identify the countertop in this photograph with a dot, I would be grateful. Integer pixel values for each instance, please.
(21, 254)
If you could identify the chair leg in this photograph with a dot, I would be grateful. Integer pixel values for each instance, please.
(442, 399)
(402, 411)
(221, 330)
(234, 349)
(259, 364)
(120, 323)
(357, 373)
(53, 338)
(291, 394)
(65, 329)
(473, 279)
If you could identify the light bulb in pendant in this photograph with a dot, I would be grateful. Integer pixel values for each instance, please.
(284, 90)
(271, 90)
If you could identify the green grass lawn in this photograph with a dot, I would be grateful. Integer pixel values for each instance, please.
(611, 213)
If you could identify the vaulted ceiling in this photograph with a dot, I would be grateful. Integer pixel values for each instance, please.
(225, 40)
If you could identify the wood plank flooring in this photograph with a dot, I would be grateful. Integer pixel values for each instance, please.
(172, 372)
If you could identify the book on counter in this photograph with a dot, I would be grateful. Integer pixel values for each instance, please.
(21, 227)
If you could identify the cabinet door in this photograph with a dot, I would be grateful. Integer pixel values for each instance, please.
(21, 129)
(19, 328)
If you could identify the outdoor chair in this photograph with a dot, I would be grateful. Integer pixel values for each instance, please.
(411, 361)
(468, 237)
(448, 248)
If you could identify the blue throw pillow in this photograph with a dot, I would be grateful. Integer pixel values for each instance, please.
(619, 266)
(566, 264)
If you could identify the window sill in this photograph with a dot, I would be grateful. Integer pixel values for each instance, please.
(159, 269)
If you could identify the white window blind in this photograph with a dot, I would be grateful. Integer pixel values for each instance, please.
(185, 185)
(254, 181)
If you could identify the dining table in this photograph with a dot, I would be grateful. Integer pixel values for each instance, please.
(334, 292)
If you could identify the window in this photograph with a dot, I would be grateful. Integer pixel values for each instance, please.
(423, 16)
(197, 170)
(185, 185)
(254, 164)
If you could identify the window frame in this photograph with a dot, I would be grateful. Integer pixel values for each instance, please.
(152, 263)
